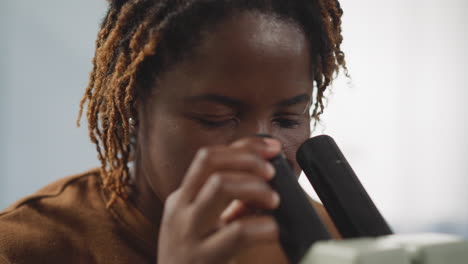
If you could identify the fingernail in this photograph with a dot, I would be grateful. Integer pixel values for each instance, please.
(273, 145)
(275, 199)
(270, 170)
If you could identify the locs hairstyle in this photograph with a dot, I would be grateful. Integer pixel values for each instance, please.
(139, 39)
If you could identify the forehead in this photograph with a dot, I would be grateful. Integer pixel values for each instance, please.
(253, 33)
(248, 53)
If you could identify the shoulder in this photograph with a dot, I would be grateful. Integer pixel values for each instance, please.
(55, 191)
(326, 219)
(48, 219)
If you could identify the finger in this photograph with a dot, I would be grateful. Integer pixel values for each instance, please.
(238, 209)
(209, 160)
(224, 187)
(235, 209)
(238, 235)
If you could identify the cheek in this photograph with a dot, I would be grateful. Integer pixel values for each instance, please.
(173, 143)
(291, 143)
(170, 154)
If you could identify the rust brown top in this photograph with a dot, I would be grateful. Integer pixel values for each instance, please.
(68, 222)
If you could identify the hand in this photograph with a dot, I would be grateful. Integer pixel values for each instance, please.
(191, 228)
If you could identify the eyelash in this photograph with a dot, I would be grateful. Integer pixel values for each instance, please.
(287, 123)
(214, 124)
(282, 122)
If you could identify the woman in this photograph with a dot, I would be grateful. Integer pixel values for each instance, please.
(178, 90)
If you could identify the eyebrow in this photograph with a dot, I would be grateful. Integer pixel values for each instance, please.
(235, 103)
(216, 98)
(294, 100)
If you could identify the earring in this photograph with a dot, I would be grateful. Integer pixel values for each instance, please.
(132, 122)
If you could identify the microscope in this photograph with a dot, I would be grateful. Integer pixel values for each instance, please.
(367, 238)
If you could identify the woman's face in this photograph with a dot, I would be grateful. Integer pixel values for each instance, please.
(251, 74)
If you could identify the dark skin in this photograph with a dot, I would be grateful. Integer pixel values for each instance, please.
(196, 153)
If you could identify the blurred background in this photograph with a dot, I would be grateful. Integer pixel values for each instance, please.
(401, 121)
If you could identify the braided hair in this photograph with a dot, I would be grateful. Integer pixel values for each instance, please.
(139, 39)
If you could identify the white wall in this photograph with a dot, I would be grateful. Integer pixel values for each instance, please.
(45, 56)
(401, 123)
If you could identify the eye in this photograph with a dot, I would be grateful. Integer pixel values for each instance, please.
(214, 120)
(214, 123)
(288, 123)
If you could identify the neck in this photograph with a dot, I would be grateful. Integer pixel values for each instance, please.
(144, 198)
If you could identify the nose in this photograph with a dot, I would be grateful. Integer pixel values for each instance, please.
(254, 127)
